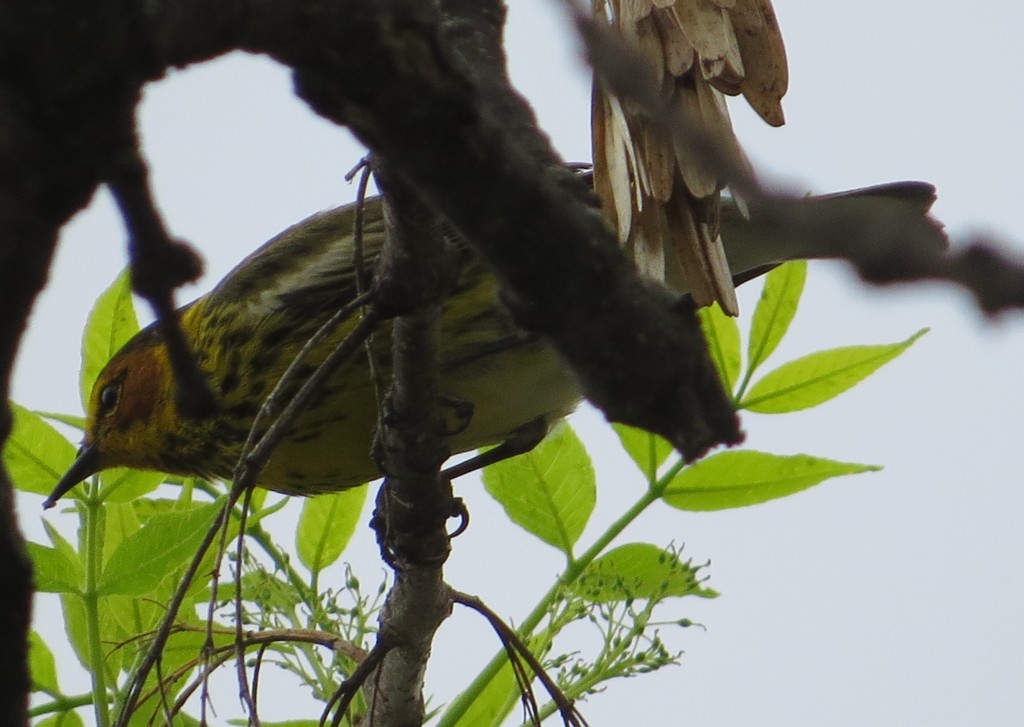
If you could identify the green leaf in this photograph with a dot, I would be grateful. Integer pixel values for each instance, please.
(76, 626)
(54, 571)
(491, 705)
(153, 712)
(42, 665)
(638, 570)
(818, 377)
(745, 477)
(112, 322)
(775, 310)
(76, 422)
(130, 615)
(326, 525)
(61, 719)
(164, 544)
(125, 485)
(648, 451)
(550, 491)
(723, 336)
(61, 543)
(36, 454)
(120, 523)
(149, 507)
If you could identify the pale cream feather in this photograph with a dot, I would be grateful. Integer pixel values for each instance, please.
(662, 202)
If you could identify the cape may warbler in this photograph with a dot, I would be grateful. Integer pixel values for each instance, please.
(250, 327)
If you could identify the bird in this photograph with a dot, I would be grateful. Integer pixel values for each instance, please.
(248, 329)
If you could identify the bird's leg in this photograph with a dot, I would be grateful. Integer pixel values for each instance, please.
(519, 441)
(461, 410)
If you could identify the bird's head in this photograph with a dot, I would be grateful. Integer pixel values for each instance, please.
(131, 411)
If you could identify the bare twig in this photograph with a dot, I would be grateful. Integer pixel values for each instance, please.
(159, 265)
(245, 693)
(256, 671)
(362, 279)
(260, 445)
(346, 692)
(221, 654)
(517, 650)
(138, 680)
(358, 261)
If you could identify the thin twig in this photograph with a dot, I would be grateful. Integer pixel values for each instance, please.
(258, 448)
(208, 645)
(362, 282)
(256, 671)
(514, 645)
(159, 265)
(221, 654)
(347, 690)
(162, 691)
(358, 261)
(245, 693)
(167, 625)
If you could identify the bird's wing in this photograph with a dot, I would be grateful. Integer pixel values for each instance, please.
(305, 270)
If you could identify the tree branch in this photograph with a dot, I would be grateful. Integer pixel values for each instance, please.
(416, 272)
(493, 176)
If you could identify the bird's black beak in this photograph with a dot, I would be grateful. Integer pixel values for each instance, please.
(85, 464)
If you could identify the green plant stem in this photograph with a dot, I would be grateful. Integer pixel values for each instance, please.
(93, 565)
(457, 709)
(61, 704)
(263, 539)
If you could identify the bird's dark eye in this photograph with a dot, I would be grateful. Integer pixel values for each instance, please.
(109, 396)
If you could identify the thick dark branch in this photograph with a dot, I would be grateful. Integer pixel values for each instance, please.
(423, 85)
(52, 132)
(15, 606)
(294, 33)
(416, 272)
(398, 75)
(27, 240)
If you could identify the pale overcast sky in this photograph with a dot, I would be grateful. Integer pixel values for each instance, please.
(892, 598)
